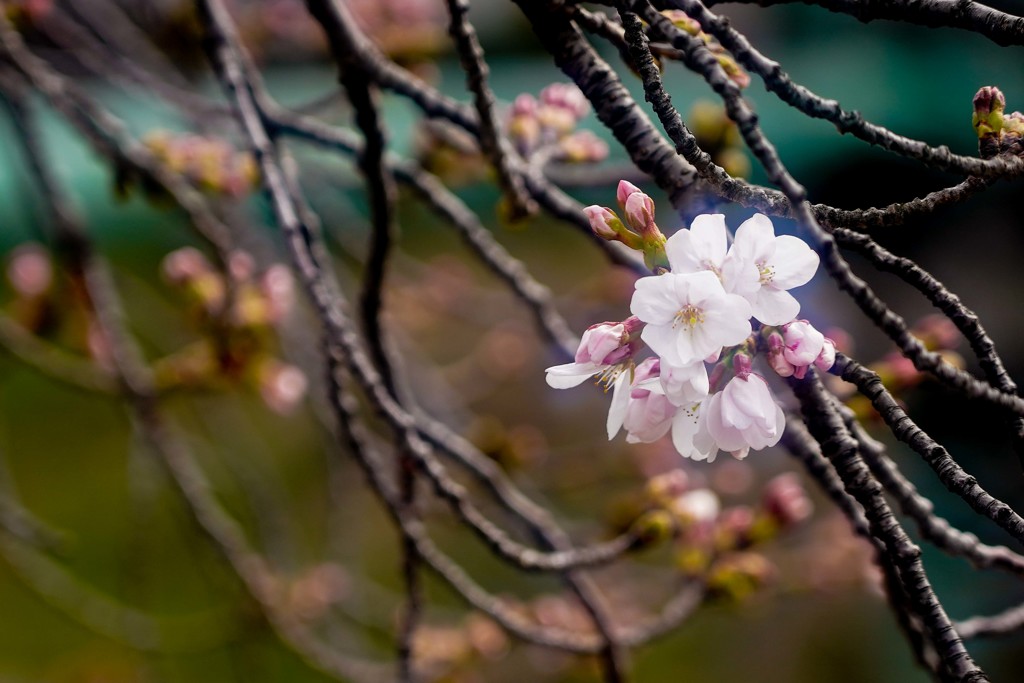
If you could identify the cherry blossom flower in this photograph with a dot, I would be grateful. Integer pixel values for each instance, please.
(648, 415)
(783, 263)
(603, 348)
(703, 246)
(690, 434)
(689, 316)
(606, 350)
(744, 415)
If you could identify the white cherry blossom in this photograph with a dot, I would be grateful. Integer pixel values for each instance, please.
(782, 262)
(689, 316)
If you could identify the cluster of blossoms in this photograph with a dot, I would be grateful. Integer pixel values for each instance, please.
(405, 30)
(539, 127)
(695, 313)
(549, 121)
(999, 133)
(238, 342)
(212, 165)
(716, 542)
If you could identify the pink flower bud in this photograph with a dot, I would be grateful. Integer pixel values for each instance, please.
(776, 359)
(989, 99)
(184, 265)
(741, 365)
(603, 344)
(639, 211)
(668, 486)
(803, 343)
(827, 358)
(524, 105)
(786, 500)
(604, 222)
(583, 147)
(734, 525)
(623, 191)
(567, 97)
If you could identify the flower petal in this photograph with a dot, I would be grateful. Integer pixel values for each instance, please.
(702, 247)
(655, 300)
(699, 288)
(794, 262)
(571, 374)
(774, 306)
(755, 239)
(663, 339)
(620, 401)
(728, 321)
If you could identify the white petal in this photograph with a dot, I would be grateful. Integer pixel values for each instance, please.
(700, 288)
(682, 257)
(726, 437)
(775, 306)
(685, 426)
(655, 300)
(733, 406)
(728, 322)
(662, 340)
(571, 374)
(740, 276)
(794, 262)
(684, 385)
(620, 401)
(755, 239)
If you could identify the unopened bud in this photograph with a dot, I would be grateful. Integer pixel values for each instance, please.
(662, 489)
(742, 365)
(803, 343)
(639, 210)
(566, 97)
(583, 147)
(827, 358)
(989, 103)
(524, 105)
(786, 501)
(623, 191)
(682, 21)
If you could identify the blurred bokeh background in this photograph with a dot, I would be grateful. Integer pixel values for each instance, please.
(130, 591)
